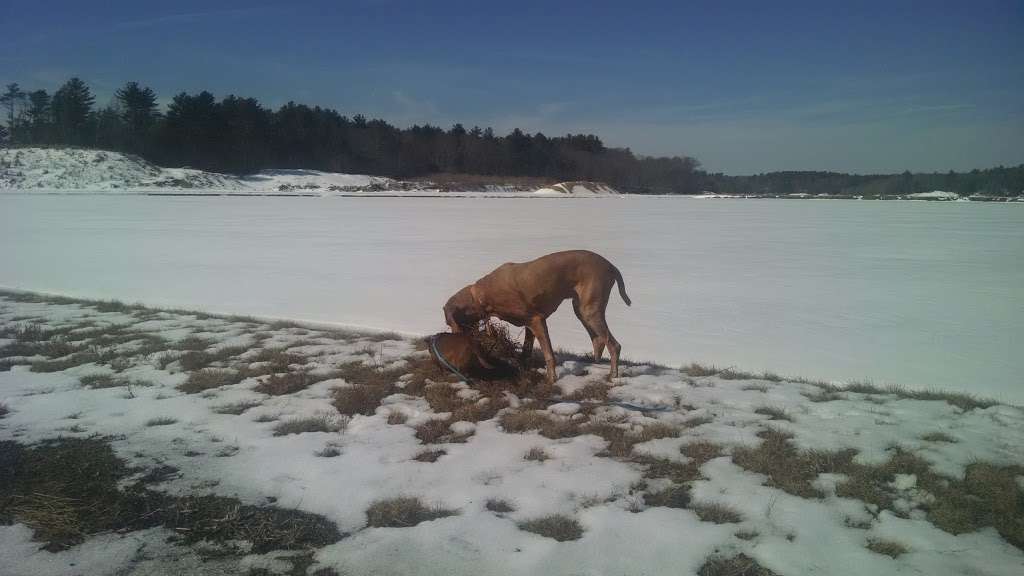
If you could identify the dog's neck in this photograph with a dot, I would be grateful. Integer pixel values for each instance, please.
(475, 293)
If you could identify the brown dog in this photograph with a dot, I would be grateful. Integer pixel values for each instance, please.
(525, 294)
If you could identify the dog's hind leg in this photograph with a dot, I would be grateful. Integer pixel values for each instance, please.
(527, 352)
(594, 339)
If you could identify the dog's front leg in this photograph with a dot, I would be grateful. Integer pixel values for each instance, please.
(539, 327)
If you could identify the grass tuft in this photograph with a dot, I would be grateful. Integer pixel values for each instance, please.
(321, 423)
(66, 490)
(740, 565)
(236, 408)
(429, 455)
(675, 496)
(536, 454)
(701, 451)
(774, 413)
(787, 468)
(161, 421)
(208, 379)
(402, 512)
(887, 547)
(544, 423)
(695, 370)
(561, 528)
(499, 506)
(717, 513)
(938, 437)
(439, 432)
(328, 452)
(352, 400)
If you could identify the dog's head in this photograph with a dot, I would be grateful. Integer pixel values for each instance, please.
(462, 311)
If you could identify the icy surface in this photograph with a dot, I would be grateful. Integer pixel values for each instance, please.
(238, 455)
(919, 294)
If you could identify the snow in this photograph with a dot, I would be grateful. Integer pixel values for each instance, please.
(77, 171)
(934, 195)
(235, 455)
(919, 294)
(90, 171)
(577, 189)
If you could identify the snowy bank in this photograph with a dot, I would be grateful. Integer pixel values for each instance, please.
(577, 188)
(422, 474)
(73, 170)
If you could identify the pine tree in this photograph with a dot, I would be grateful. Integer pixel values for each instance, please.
(10, 99)
(40, 116)
(139, 113)
(72, 104)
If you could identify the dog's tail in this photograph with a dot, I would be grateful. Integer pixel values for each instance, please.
(622, 286)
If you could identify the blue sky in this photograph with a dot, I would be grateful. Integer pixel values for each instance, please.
(744, 87)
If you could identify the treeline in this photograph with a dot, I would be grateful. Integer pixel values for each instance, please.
(1000, 181)
(239, 135)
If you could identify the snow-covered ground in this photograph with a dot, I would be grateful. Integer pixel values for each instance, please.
(72, 170)
(615, 495)
(83, 170)
(918, 294)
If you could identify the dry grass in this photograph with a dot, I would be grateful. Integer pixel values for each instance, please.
(887, 547)
(556, 526)
(67, 490)
(756, 387)
(236, 408)
(196, 359)
(988, 495)
(536, 454)
(396, 418)
(717, 513)
(208, 379)
(161, 421)
(191, 343)
(787, 468)
(675, 496)
(621, 440)
(695, 370)
(499, 506)
(289, 383)
(701, 451)
(673, 470)
(320, 423)
(429, 455)
(439, 432)
(352, 400)
(826, 394)
(773, 413)
(740, 565)
(110, 381)
(92, 355)
(402, 512)
(328, 452)
(442, 398)
(938, 437)
(698, 421)
(368, 386)
(962, 401)
(597, 391)
(544, 423)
